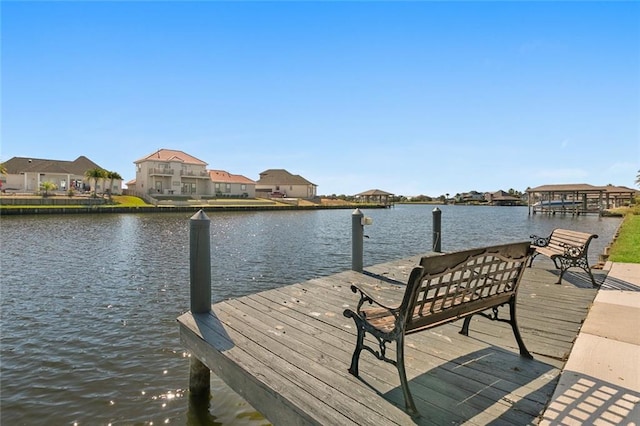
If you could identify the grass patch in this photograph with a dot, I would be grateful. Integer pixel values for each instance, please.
(626, 248)
(129, 201)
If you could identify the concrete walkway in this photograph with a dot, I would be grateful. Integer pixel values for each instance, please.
(600, 384)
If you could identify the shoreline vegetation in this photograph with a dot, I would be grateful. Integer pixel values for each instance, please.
(625, 247)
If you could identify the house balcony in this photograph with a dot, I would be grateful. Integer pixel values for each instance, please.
(200, 175)
(161, 172)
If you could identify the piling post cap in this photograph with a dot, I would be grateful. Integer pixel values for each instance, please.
(436, 209)
(200, 215)
(357, 212)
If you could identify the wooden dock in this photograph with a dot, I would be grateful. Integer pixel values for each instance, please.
(287, 351)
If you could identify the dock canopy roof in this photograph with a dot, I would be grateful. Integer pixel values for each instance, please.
(373, 193)
(577, 187)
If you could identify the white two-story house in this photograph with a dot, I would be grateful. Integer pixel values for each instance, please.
(168, 172)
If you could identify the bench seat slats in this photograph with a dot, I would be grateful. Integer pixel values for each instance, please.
(383, 320)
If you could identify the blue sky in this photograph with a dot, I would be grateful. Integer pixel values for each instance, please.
(408, 97)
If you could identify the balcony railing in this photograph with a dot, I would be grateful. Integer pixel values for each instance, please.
(187, 173)
(162, 171)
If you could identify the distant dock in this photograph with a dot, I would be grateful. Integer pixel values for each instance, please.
(287, 351)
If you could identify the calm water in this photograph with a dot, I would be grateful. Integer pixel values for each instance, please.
(89, 303)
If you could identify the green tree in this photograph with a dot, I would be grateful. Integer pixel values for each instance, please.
(638, 178)
(95, 174)
(47, 186)
(112, 176)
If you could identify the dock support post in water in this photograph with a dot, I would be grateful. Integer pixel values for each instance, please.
(357, 240)
(200, 284)
(437, 230)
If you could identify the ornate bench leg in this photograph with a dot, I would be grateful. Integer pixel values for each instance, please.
(353, 368)
(584, 264)
(516, 331)
(408, 399)
(593, 280)
(562, 264)
(465, 326)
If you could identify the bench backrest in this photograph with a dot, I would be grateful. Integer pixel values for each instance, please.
(444, 287)
(560, 237)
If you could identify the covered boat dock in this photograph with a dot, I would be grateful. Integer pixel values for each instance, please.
(577, 199)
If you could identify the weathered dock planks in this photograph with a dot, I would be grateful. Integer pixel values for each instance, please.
(287, 351)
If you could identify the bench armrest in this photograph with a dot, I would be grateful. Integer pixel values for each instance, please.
(364, 297)
(540, 241)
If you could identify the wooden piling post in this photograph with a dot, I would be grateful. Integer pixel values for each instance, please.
(437, 230)
(357, 240)
(200, 263)
(200, 284)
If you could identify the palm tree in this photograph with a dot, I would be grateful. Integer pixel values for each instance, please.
(638, 178)
(95, 174)
(46, 187)
(112, 176)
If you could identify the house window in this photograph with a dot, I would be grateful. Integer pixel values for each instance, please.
(193, 188)
(227, 188)
(243, 187)
(217, 185)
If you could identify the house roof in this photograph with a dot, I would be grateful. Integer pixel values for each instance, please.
(226, 177)
(281, 177)
(171, 155)
(79, 166)
(503, 196)
(373, 192)
(618, 189)
(582, 187)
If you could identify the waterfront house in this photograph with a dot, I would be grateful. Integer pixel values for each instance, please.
(168, 172)
(470, 197)
(225, 184)
(274, 183)
(501, 198)
(26, 174)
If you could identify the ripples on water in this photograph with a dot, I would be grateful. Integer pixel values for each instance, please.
(89, 303)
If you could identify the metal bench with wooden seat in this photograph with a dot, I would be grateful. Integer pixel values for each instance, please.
(444, 288)
(566, 248)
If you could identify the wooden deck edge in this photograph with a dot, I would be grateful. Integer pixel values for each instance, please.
(253, 389)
